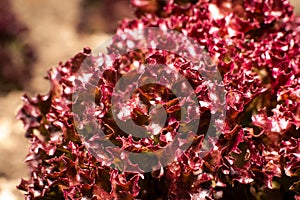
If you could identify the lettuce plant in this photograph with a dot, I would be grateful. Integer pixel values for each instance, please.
(255, 47)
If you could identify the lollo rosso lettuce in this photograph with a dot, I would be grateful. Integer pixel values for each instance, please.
(254, 46)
